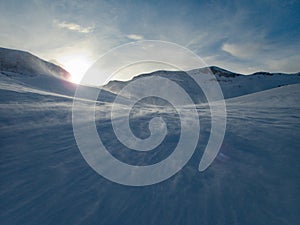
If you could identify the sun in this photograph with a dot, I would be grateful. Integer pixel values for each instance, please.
(76, 65)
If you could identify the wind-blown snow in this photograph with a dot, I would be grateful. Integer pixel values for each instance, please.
(254, 180)
(16, 63)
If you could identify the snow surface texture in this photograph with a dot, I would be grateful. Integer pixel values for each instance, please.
(254, 180)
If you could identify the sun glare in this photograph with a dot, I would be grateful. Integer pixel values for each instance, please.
(76, 65)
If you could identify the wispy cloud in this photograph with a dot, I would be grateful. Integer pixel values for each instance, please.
(135, 37)
(73, 26)
(238, 36)
(243, 51)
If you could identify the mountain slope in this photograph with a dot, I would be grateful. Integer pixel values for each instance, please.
(232, 84)
(285, 96)
(16, 62)
(22, 71)
(25, 69)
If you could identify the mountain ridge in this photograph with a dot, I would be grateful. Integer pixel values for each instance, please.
(16, 55)
(13, 61)
(32, 71)
(232, 84)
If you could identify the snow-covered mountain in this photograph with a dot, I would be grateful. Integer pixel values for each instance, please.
(232, 84)
(45, 180)
(20, 70)
(16, 62)
(25, 69)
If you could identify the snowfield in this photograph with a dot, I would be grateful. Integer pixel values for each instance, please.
(254, 179)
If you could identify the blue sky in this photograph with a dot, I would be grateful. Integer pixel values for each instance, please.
(242, 36)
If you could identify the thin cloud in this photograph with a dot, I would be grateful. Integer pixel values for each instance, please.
(242, 51)
(135, 37)
(73, 27)
(228, 38)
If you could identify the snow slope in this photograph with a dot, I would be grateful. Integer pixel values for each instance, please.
(16, 62)
(232, 84)
(45, 180)
(25, 69)
(21, 70)
(276, 97)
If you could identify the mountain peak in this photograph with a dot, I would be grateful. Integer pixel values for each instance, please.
(218, 71)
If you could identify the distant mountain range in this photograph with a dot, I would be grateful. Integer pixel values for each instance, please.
(20, 65)
(232, 84)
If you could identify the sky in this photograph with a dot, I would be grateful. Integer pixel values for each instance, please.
(241, 36)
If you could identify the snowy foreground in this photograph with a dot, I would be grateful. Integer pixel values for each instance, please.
(45, 180)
